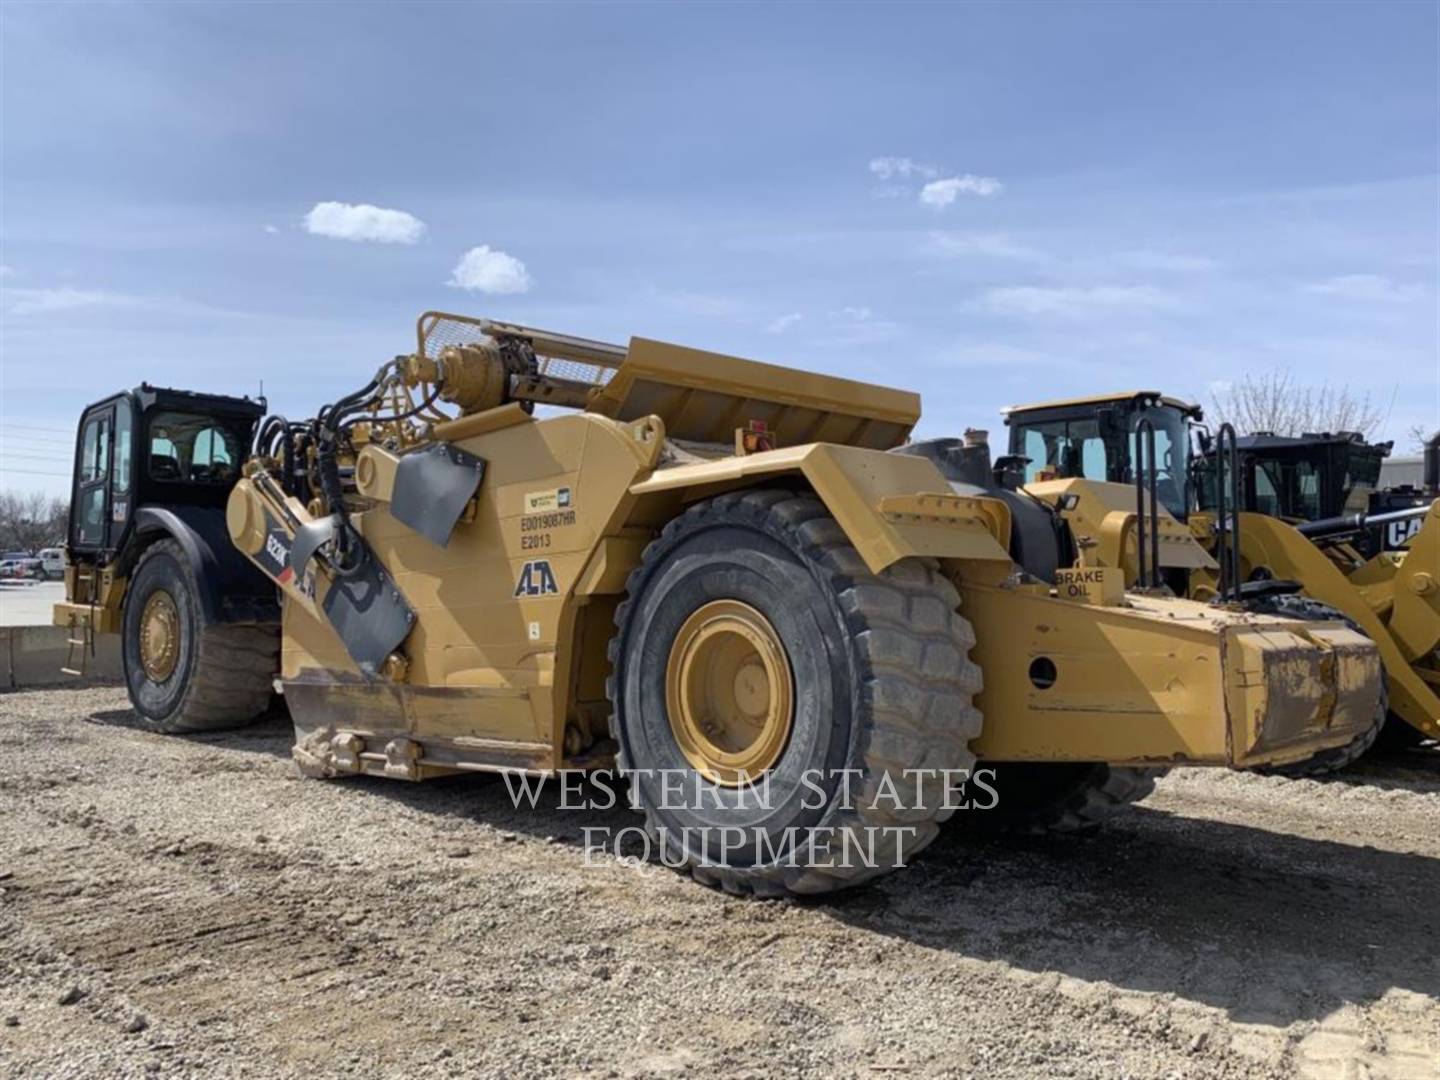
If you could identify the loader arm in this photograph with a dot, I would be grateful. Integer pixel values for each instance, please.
(1401, 615)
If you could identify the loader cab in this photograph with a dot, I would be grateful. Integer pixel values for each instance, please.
(1314, 476)
(1094, 438)
(1306, 477)
(152, 446)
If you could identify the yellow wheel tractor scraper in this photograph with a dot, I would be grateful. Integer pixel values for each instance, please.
(795, 632)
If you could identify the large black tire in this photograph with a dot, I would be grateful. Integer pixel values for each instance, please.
(223, 675)
(1041, 798)
(883, 684)
(1296, 606)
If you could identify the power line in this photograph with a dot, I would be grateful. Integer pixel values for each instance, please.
(34, 472)
(43, 432)
(37, 440)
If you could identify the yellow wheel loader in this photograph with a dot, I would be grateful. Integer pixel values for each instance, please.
(1247, 501)
(793, 631)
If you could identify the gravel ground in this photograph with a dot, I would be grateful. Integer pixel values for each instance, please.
(192, 906)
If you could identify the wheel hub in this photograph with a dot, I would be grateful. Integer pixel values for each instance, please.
(729, 692)
(159, 636)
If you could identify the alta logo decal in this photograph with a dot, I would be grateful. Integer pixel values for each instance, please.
(536, 579)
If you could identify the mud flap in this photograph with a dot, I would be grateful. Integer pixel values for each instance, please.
(367, 611)
(432, 488)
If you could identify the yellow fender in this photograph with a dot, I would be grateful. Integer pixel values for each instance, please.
(890, 505)
(1415, 616)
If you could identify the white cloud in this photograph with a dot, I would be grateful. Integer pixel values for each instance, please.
(1366, 287)
(941, 193)
(858, 314)
(888, 168)
(783, 323)
(987, 245)
(41, 301)
(271, 229)
(1074, 302)
(347, 221)
(486, 271)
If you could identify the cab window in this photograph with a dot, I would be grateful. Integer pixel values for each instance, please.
(1288, 489)
(1307, 489)
(94, 470)
(95, 450)
(190, 448)
(120, 481)
(1172, 457)
(1267, 489)
(1069, 448)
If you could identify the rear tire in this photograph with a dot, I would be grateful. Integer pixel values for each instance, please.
(1397, 736)
(882, 684)
(217, 676)
(1042, 798)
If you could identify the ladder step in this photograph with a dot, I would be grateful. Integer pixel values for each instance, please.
(70, 671)
(75, 641)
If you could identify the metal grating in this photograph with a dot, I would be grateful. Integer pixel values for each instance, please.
(437, 331)
(575, 371)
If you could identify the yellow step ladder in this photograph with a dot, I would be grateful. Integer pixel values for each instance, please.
(82, 628)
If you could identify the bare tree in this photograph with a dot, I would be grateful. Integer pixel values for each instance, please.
(1417, 435)
(1274, 402)
(30, 521)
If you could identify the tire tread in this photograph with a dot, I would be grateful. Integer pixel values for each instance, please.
(915, 681)
(231, 681)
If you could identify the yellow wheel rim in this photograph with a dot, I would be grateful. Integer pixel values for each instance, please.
(159, 636)
(729, 692)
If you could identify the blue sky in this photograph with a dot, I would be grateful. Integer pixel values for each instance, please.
(986, 203)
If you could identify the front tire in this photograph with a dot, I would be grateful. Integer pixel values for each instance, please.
(182, 673)
(881, 698)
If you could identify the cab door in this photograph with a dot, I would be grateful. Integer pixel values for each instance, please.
(102, 496)
(90, 501)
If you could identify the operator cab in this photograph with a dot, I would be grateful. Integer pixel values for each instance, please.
(1306, 477)
(153, 446)
(1313, 477)
(1094, 438)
